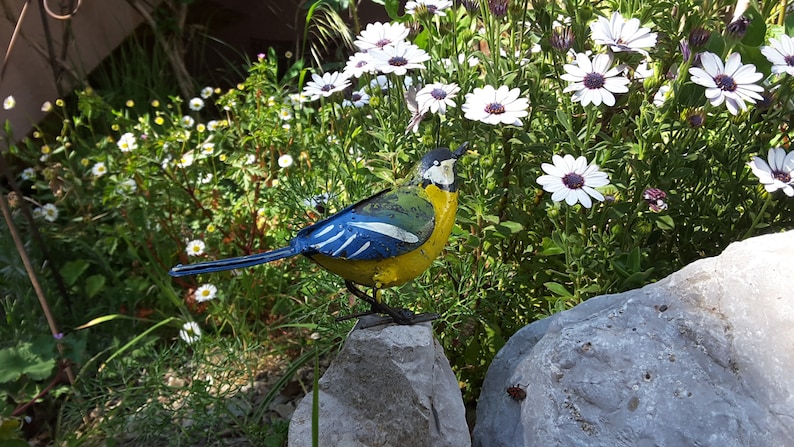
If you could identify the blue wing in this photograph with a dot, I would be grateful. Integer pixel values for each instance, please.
(390, 223)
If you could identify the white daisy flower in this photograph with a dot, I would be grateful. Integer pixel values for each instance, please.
(207, 148)
(206, 178)
(358, 64)
(620, 34)
(417, 114)
(358, 99)
(213, 125)
(436, 97)
(285, 161)
(496, 106)
(28, 174)
(49, 212)
(250, 159)
(433, 7)
(379, 35)
(206, 92)
(731, 83)
(127, 142)
(187, 121)
(190, 332)
(572, 180)
(196, 104)
(195, 247)
(325, 85)
(205, 292)
(594, 82)
(781, 53)
(99, 169)
(9, 103)
(285, 114)
(777, 172)
(399, 58)
(661, 95)
(185, 160)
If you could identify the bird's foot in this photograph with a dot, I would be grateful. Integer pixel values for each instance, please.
(389, 314)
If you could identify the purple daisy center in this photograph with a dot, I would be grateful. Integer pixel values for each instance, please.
(398, 61)
(695, 120)
(431, 8)
(573, 181)
(494, 108)
(327, 87)
(438, 94)
(789, 60)
(355, 97)
(725, 82)
(361, 64)
(782, 176)
(594, 81)
(382, 43)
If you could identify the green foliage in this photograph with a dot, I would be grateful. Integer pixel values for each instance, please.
(136, 178)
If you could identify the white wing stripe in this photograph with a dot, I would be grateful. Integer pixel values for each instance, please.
(324, 231)
(329, 240)
(387, 230)
(360, 250)
(347, 242)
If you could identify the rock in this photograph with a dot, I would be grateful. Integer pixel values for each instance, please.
(701, 358)
(388, 386)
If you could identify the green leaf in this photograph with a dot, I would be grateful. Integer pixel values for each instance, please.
(665, 222)
(558, 289)
(549, 248)
(72, 270)
(20, 360)
(756, 31)
(392, 9)
(512, 227)
(94, 284)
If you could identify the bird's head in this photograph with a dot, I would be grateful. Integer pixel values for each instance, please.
(437, 167)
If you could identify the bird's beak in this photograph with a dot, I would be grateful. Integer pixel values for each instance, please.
(461, 150)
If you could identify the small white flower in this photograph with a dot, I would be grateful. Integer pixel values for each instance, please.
(781, 53)
(127, 142)
(777, 172)
(99, 169)
(417, 114)
(572, 180)
(196, 104)
(621, 35)
(496, 106)
(594, 82)
(379, 35)
(399, 58)
(643, 71)
(731, 83)
(436, 97)
(358, 99)
(325, 85)
(285, 161)
(206, 92)
(28, 174)
(250, 159)
(195, 247)
(9, 103)
(206, 178)
(187, 121)
(285, 114)
(205, 292)
(185, 160)
(213, 125)
(207, 148)
(358, 64)
(190, 332)
(434, 7)
(49, 212)
(126, 187)
(46, 106)
(661, 95)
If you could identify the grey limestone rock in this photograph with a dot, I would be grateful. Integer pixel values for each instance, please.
(704, 357)
(388, 386)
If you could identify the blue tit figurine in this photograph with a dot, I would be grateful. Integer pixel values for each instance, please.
(383, 241)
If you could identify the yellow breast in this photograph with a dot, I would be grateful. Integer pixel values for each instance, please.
(400, 269)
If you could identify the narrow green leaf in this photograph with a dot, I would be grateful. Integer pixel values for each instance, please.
(558, 289)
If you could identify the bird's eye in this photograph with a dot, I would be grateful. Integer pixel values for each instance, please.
(436, 163)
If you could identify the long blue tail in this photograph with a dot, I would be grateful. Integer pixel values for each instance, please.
(233, 263)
